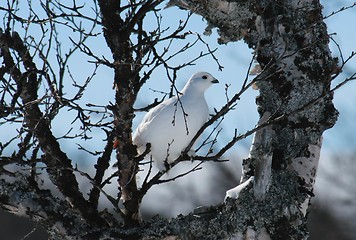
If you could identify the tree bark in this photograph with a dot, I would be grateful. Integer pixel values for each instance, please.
(59, 166)
(117, 35)
(291, 44)
(118, 31)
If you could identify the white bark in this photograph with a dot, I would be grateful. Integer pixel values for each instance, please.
(306, 167)
(296, 68)
(261, 153)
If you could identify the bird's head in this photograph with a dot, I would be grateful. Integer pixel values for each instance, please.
(200, 81)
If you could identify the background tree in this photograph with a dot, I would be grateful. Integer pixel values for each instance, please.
(290, 46)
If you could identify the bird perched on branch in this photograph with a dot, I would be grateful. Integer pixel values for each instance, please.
(170, 126)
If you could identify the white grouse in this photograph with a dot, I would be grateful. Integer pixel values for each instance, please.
(170, 126)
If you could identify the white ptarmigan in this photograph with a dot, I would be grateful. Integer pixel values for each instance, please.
(171, 125)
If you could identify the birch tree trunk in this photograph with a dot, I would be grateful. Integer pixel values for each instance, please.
(291, 44)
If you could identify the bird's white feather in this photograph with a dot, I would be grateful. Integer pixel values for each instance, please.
(170, 126)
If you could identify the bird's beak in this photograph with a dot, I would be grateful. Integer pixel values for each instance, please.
(215, 81)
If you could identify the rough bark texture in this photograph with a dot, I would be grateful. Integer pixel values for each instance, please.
(291, 43)
(117, 32)
(117, 38)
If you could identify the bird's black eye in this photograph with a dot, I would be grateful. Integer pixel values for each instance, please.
(204, 77)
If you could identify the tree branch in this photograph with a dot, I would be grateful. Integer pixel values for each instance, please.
(56, 160)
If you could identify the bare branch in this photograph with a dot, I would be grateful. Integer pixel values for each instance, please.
(340, 10)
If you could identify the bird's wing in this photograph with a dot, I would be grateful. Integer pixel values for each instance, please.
(165, 106)
(162, 113)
